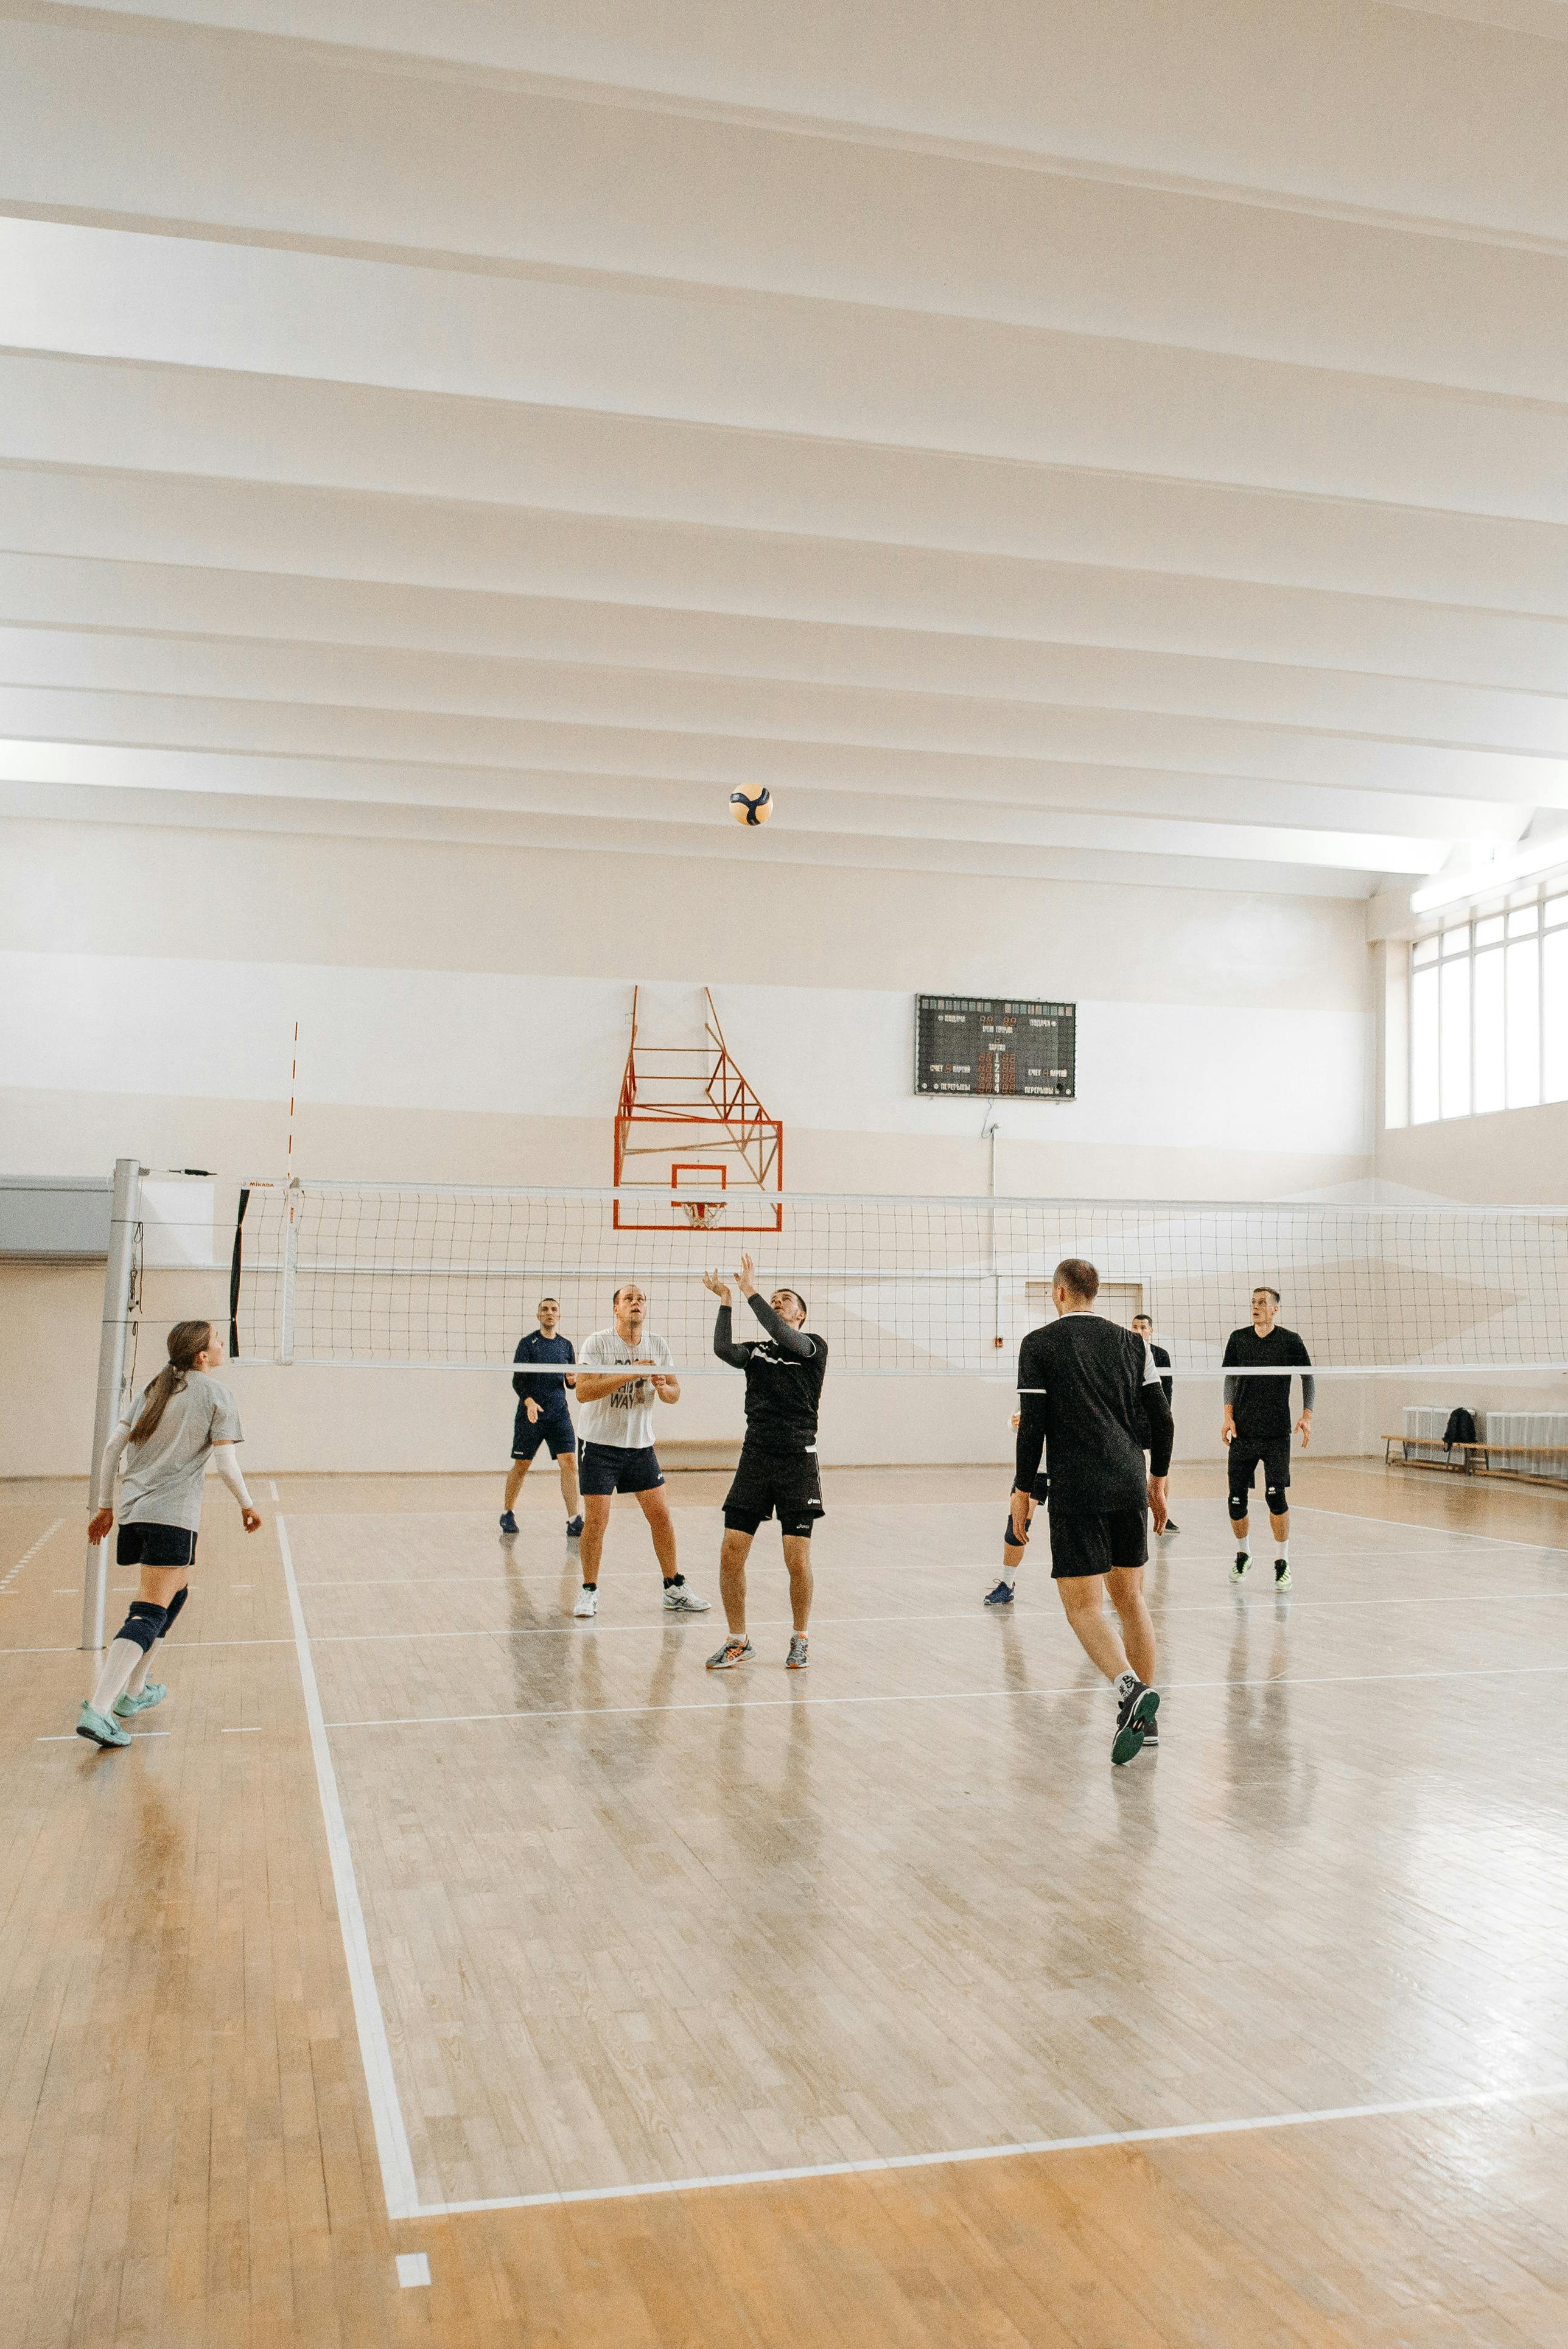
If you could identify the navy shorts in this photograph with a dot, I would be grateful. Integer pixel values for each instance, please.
(553, 1426)
(155, 1546)
(1084, 1544)
(617, 1468)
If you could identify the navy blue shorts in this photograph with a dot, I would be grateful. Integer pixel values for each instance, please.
(553, 1426)
(618, 1468)
(148, 1544)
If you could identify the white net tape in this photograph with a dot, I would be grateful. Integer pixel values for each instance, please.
(420, 1276)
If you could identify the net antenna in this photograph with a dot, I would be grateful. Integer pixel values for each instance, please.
(682, 1093)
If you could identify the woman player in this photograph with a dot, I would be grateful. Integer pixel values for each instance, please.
(183, 1420)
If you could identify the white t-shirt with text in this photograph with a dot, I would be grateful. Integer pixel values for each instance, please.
(624, 1416)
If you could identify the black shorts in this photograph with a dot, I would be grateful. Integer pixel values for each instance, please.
(553, 1426)
(618, 1468)
(1084, 1544)
(1245, 1456)
(766, 1483)
(144, 1545)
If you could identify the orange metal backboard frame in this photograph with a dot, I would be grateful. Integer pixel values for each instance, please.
(711, 1103)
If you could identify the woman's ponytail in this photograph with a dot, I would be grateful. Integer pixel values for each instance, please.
(186, 1341)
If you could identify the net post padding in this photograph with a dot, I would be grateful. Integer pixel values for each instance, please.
(445, 1276)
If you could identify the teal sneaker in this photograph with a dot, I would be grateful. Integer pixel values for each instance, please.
(93, 1725)
(154, 1693)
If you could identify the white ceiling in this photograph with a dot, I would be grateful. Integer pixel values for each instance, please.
(1124, 439)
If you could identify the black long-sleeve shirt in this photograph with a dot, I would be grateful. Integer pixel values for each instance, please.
(1089, 1397)
(1261, 1407)
(784, 1374)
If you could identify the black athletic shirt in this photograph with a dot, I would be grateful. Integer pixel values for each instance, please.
(1090, 1398)
(1261, 1407)
(537, 1348)
(784, 1374)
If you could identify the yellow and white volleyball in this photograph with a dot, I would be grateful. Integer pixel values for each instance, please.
(752, 807)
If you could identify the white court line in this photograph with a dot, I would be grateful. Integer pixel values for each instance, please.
(1028, 1613)
(64, 1736)
(1174, 2133)
(1452, 1533)
(279, 1643)
(942, 1696)
(255, 1732)
(29, 1555)
(399, 2182)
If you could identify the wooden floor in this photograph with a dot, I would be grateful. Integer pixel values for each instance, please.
(806, 1991)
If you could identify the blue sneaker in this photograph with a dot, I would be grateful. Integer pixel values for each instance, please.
(1002, 1596)
(100, 1729)
(573, 1527)
(508, 1522)
(151, 1692)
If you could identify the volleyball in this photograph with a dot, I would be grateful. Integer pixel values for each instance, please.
(752, 807)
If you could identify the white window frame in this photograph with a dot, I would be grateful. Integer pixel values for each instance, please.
(1475, 934)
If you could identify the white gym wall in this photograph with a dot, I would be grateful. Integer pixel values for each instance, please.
(463, 1014)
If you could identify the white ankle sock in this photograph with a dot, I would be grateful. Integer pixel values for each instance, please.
(1244, 1545)
(1125, 1684)
(121, 1660)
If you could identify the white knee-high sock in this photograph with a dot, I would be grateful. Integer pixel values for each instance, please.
(121, 1660)
(138, 1680)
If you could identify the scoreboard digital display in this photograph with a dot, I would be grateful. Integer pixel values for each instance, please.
(996, 1046)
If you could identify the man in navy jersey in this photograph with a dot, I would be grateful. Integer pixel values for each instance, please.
(1144, 1327)
(543, 1416)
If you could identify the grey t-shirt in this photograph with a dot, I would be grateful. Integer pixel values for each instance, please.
(163, 1476)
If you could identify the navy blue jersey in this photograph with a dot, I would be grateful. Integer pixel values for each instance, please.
(537, 1348)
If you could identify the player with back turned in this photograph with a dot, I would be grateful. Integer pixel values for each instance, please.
(1256, 1425)
(1091, 1400)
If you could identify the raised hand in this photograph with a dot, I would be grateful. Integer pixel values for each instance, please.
(746, 1278)
(718, 1284)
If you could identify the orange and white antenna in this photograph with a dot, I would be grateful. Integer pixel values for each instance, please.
(294, 1083)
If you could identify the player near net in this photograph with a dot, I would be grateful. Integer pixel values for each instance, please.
(183, 1419)
(1144, 1327)
(543, 1416)
(777, 1470)
(1256, 1425)
(1091, 1400)
(618, 1454)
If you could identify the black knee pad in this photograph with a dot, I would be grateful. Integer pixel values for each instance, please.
(172, 1609)
(144, 1624)
(1278, 1499)
(1237, 1505)
(1012, 1540)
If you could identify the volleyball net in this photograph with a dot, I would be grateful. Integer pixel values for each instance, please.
(440, 1277)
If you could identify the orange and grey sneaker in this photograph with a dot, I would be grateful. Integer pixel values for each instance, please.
(797, 1659)
(737, 1649)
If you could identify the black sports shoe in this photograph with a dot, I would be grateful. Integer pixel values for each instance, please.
(1151, 1733)
(1244, 1559)
(1133, 1715)
(1169, 1527)
(1282, 1574)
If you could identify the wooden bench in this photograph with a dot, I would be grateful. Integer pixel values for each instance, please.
(1472, 1453)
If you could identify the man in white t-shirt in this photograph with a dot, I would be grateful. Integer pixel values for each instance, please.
(615, 1427)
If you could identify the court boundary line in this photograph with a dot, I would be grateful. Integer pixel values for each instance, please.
(399, 2185)
(399, 2181)
(1170, 2132)
(941, 1696)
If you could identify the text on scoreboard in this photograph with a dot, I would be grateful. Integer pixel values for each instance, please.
(995, 1046)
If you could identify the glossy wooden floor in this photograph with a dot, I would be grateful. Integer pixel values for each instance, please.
(628, 1926)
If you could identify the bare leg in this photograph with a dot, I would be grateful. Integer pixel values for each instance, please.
(1239, 1527)
(1280, 1526)
(596, 1518)
(732, 1560)
(1125, 1584)
(1083, 1596)
(662, 1526)
(515, 1475)
(798, 1558)
(567, 1463)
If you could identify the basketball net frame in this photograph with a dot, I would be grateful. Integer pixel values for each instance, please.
(695, 1096)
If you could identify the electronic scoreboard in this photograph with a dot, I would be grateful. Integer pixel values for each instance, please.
(981, 1044)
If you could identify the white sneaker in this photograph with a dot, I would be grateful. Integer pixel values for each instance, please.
(587, 1603)
(679, 1600)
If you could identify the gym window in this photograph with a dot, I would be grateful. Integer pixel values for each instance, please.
(1488, 1013)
